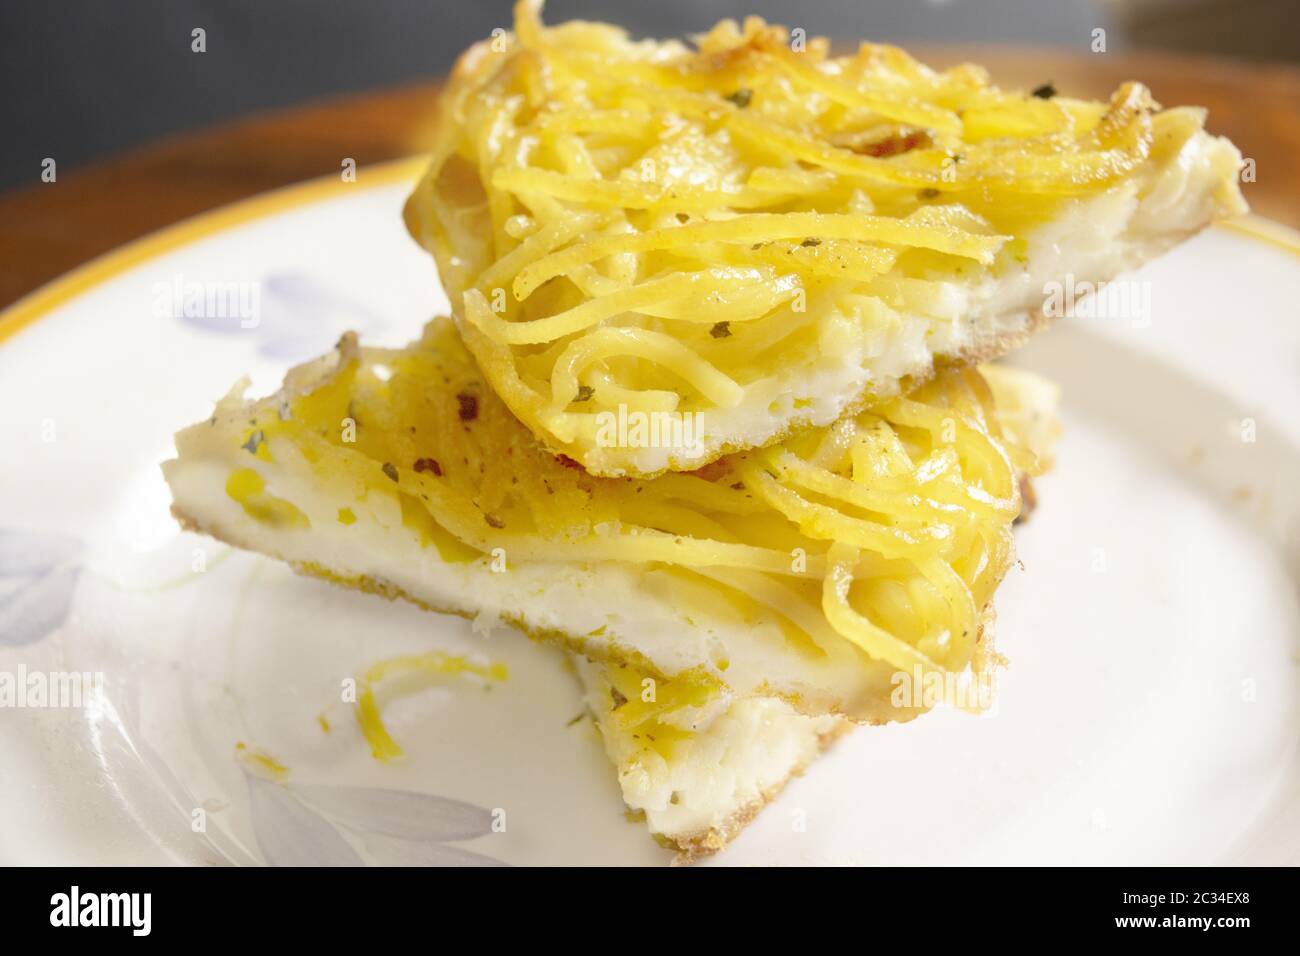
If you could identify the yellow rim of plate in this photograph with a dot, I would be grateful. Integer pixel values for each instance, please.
(40, 302)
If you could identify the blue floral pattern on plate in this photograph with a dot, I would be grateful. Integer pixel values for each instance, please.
(300, 825)
(38, 575)
(300, 316)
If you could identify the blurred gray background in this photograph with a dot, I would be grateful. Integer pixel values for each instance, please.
(84, 78)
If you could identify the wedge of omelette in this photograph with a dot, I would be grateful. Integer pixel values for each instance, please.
(748, 237)
(811, 571)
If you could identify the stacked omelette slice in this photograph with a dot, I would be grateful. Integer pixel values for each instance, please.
(706, 412)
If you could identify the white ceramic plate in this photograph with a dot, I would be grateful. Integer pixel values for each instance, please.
(1151, 712)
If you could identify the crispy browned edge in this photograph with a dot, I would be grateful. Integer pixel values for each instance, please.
(385, 589)
(694, 848)
(1028, 499)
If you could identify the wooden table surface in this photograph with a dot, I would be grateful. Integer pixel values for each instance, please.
(48, 228)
